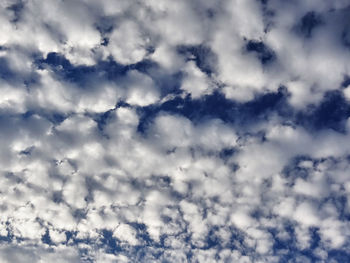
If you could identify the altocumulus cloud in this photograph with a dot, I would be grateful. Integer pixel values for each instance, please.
(174, 131)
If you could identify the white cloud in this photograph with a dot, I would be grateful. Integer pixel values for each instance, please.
(196, 82)
(126, 43)
(141, 90)
(41, 254)
(306, 214)
(74, 159)
(166, 56)
(242, 220)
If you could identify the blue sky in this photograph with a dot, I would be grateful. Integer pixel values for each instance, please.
(174, 131)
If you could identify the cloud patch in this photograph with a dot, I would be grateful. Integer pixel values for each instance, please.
(162, 131)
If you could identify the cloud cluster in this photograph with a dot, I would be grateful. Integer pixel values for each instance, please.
(174, 131)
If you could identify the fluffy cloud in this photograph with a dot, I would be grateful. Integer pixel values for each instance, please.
(177, 131)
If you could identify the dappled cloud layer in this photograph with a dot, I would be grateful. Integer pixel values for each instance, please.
(174, 131)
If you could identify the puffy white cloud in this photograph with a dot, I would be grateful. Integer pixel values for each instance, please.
(141, 90)
(105, 158)
(126, 233)
(196, 82)
(32, 254)
(306, 214)
(166, 56)
(126, 43)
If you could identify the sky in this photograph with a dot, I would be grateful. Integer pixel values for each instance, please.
(174, 131)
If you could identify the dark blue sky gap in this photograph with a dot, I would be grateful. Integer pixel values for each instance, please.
(203, 56)
(264, 53)
(309, 22)
(331, 113)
